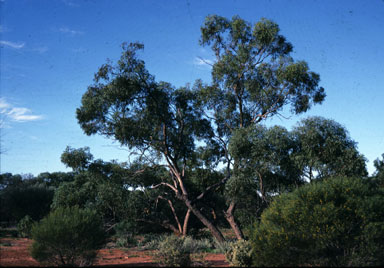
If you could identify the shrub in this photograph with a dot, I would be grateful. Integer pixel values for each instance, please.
(151, 241)
(335, 222)
(24, 226)
(222, 247)
(172, 252)
(239, 254)
(67, 236)
(197, 245)
(125, 234)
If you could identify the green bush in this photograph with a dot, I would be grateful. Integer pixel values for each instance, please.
(240, 254)
(335, 222)
(197, 245)
(24, 226)
(222, 247)
(67, 237)
(172, 252)
(151, 241)
(125, 234)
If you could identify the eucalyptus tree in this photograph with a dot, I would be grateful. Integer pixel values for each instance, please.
(264, 157)
(325, 149)
(253, 78)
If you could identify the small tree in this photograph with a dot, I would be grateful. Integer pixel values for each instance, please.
(24, 226)
(334, 222)
(325, 149)
(67, 237)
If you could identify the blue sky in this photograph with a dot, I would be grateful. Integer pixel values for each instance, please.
(50, 50)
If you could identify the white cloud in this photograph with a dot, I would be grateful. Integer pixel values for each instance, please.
(202, 62)
(69, 31)
(17, 114)
(11, 44)
(3, 105)
(22, 115)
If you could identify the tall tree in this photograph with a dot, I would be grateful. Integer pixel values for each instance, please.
(253, 78)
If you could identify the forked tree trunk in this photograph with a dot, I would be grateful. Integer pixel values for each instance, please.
(212, 228)
(231, 220)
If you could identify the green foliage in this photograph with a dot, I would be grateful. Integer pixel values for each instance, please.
(24, 226)
(197, 245)
(77, 159)
(263, 156)
(334, 222)
(54, 179)
(172, 252)
(325, 149)
(9, 180)
(126, 103)
(254, 76)
(151, 241)
(177, 251)
(67, 236)
(239, 254)
(125, 232)
(17, 201)
(379, 173)
(223, 247)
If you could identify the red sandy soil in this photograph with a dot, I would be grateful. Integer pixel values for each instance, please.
(15, 252)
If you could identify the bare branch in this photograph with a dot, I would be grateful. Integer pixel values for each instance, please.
(166, 184)
(173, 211)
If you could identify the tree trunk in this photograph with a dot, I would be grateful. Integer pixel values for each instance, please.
(186, 221)
(175, 215)
(231, 220)
(214, 230)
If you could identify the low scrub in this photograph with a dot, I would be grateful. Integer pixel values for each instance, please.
(172, 252)
(239, 254)
(125, 235)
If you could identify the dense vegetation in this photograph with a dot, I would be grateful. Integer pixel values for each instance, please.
(202, 159)
(333, 222)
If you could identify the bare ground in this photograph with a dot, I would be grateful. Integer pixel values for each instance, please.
(15, 252)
